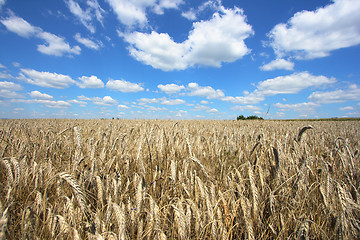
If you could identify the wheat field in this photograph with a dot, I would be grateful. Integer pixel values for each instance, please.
(163, 179)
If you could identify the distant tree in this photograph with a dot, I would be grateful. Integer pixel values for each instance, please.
(252, 117)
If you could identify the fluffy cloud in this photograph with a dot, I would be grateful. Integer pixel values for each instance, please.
(190, 14)
(106, 101)
(298, 107)
(54, 45)
(172, 101)
(46, 79)
(86, 42)
(213, 110)
(278, 64)
(347, 108)
(90, 82)
(133, 13)
(86, 16)
(143, 101)
(352, 93)
(19, 26)
(208, 92)
(291, 84)
(313, 34)
(246, 108)
(8, 90)
(210, 43)
(39, 95)
(171, 88)
(123, 106)
(2, 2)
(124, 86)
(10, 86)
(47, 103)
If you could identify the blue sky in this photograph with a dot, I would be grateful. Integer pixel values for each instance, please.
(179, 59)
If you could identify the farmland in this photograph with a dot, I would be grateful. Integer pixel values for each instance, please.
(163, 179)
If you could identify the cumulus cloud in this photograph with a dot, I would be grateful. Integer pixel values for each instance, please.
(143, 101)
(347, 108)
(39, 95)
(171, 88)
(90, 82)
(86, 16)
(105, 101)
(213, 110)
(210, 43)
(252, 108)
(47, 103)
(352, 93)
(121, 106)
(2, 3)
(190, 14)
(19, 26)
(133, 13)
(278, 64)
(307, 107)
(314, 34)
(172, 101)
(124, 86)
(54, 45)
(8, 90)
(291, 84)
(207, 91)
(10, 86)
(46, 79)
(86, 42)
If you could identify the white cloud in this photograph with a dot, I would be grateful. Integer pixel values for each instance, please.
(46, 79)
(54, 45)
(172, 101)
(2, 3)
(213, 110)
(208, 92)
(47, 103)
(291, 84)
(39, 95)
(352, 93)
(171, 88)
(19, 26)
(86, 16)
(90, 82)
(133, 13)
(5, 93)
(81, 103)
(190, 14)
(313, 34)
(246, 108)
(347, 108)
(123, 106)
(8, 90)
(278, 64)
(251, 98)
(200, 108)
(10, 86)
(87, 42)
(298, 107)
(124, 86)
(2, 66)
(210, 43)
(204, 102)
(106, 101)
(143, 101)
